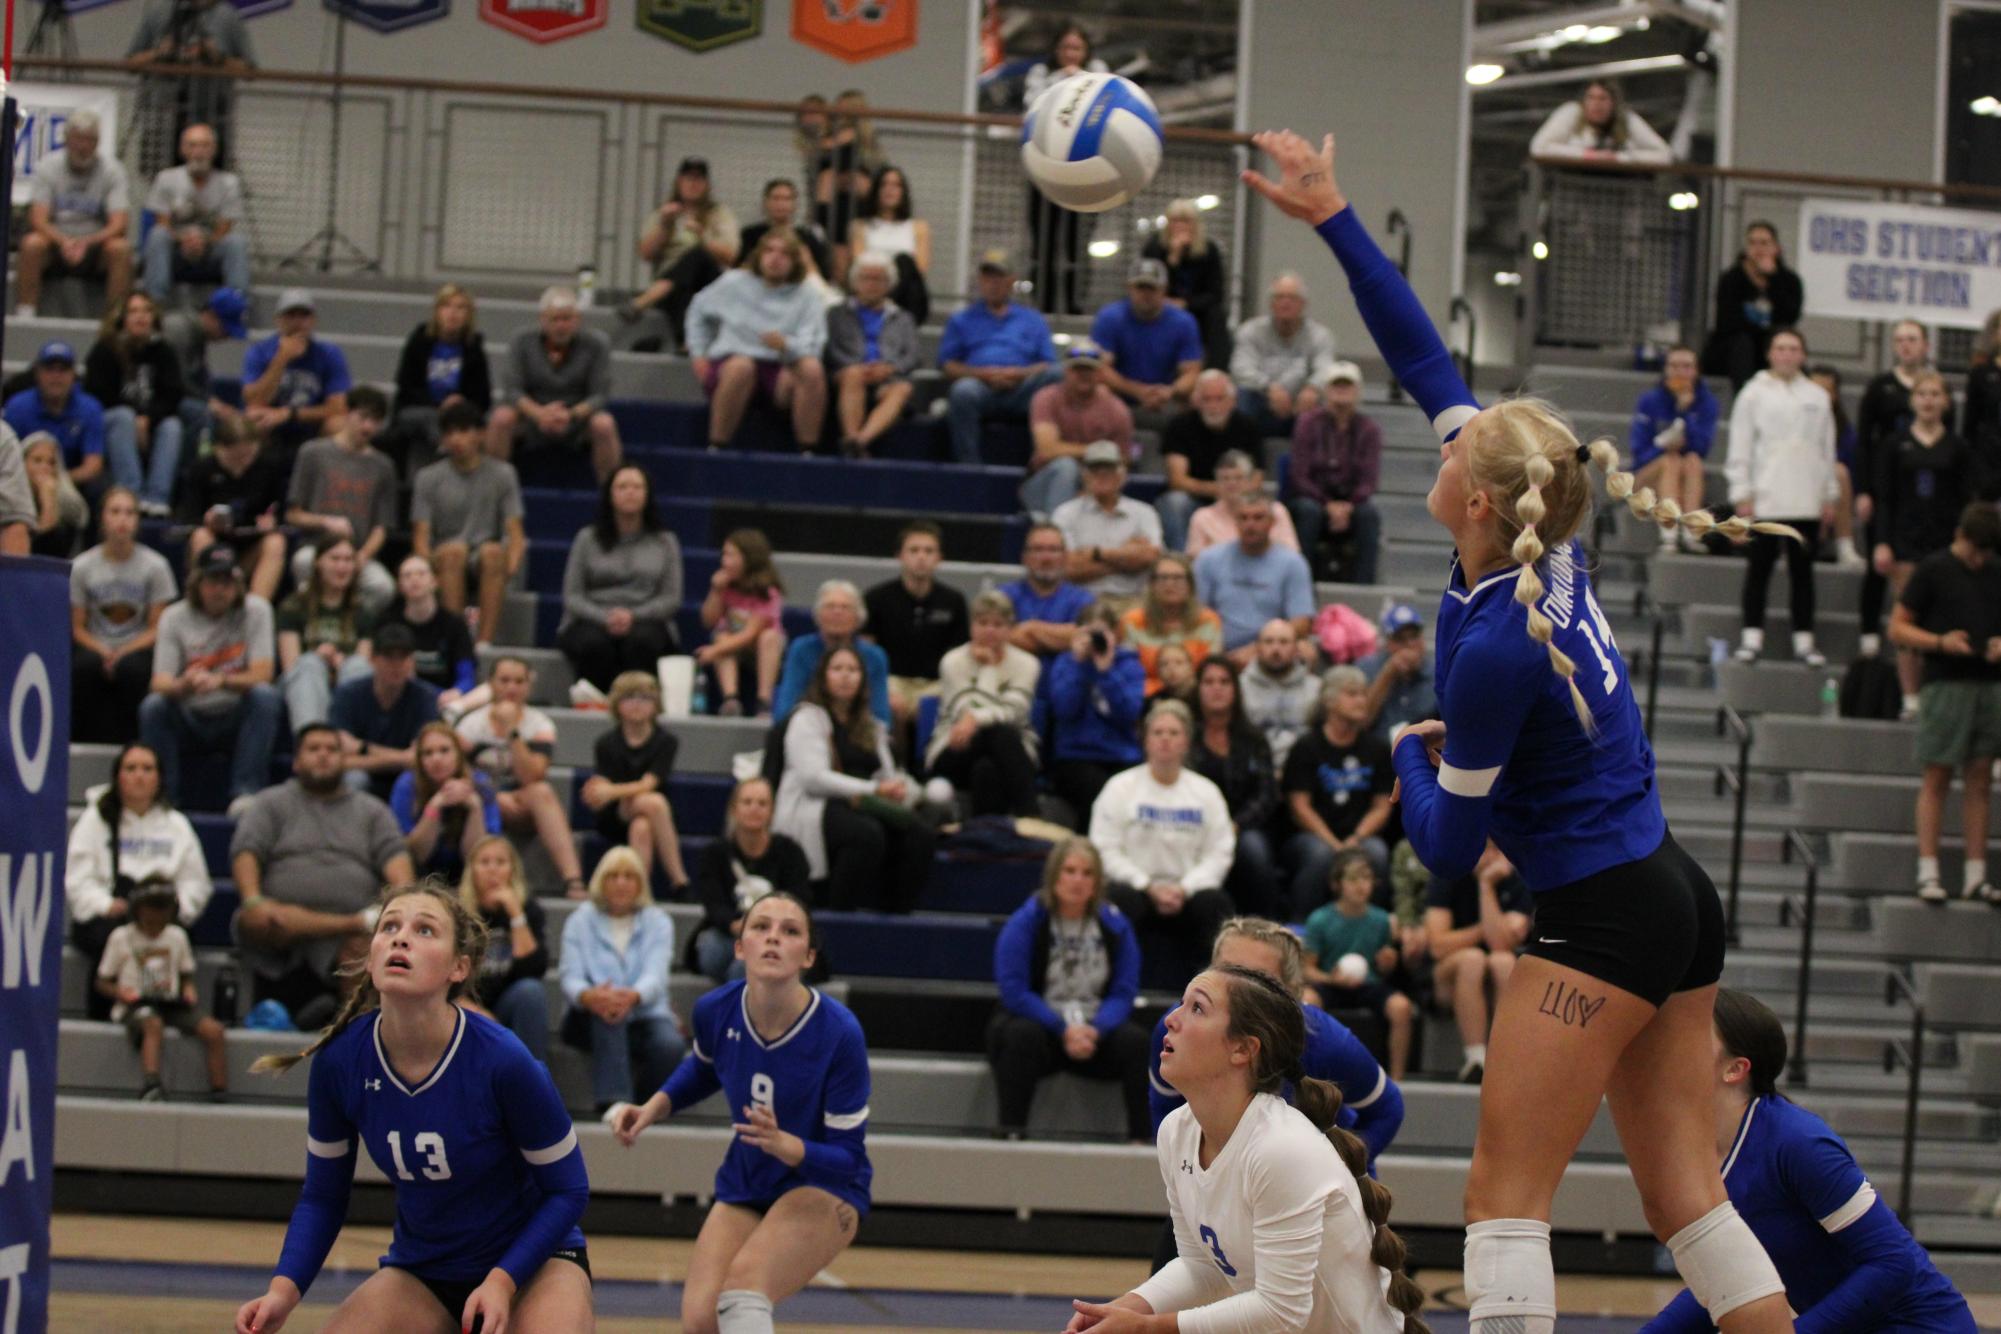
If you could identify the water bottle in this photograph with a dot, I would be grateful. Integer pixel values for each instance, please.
(698, 698)
(223, 1003)
(1830, 698)
(587, 284)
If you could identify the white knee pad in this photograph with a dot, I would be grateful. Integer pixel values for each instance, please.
(1510, 1283)
(1723, 1263)
(742, 1311)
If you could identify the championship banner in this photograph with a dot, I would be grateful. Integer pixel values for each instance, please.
(702, 25)
(544, 21)
(45, 109)
(1899, 261)
(34, 792)
(390, 15)
(855, 30)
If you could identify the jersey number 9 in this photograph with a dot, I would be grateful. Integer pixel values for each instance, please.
(762, 1092)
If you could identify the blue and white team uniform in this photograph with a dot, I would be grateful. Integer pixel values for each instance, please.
(1848, 1264)
(1577, 812)
(481, 1154)
(814, 1077)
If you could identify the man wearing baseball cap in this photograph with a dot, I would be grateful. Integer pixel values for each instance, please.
(294, 384)
(997, 353)
(688, 242)
(1401, 687)
(59, 407)
(1065, 417)
(1113, 539)
(378, 716)
(1337, 458)
(1154, 346)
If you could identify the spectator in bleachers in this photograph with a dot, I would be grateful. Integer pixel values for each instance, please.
(379, 715)
(843, 800)
(17, 497)
(61, 512)
(1046, 604)
(1175, 670)
(148, 971)
(153, 840)
(781, 211)
(997, 353)
(1067, 965)
(560, 375)
(308, 857)
(871, 350)
(190, 333)
(1781, 471)
(507, 980)
(1113, 539)
(295, 385)
(345, 488)
(1064, 418)
(887, 224)
(1846, 457)
(1472, 927)
(1755, 298)
(1337, 781)
(1234, 755)
(1237, 476)
(633, 763)
(136, 378)
(198, 219)
(621, 584)
(118, 591)
(848, 155)
(1193, 447)
(1923, 481)
(515, 743)
(1059, 235)
(445, 807)
(233, 499)
(442, 646)
(1195, 279)
(744, 612)
(1280, 690)
(1253, 580)
(1883, 414)
(1674, 425)
(212, 672)
(443, 362)
(466, 517)
(758, 331)
(1165, 835)
(203, 32)
(1352, 931)
(1281, 358)
(688, 243)
(1402, 682)
(1097, 692)
(79, 206)
(323, 634)
(982, 742)
(915, 619)
(1170, 613)
(1337, 462)
(1598, 126)
(1950, 613)
(59, 407)
(838, 616)
(1153, 349)
(1982, 424)
(617, 949)
(748, 861)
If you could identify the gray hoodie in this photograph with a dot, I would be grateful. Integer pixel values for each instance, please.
(1279, 705)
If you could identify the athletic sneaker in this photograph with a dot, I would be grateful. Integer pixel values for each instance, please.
(1472, 1072)
(1985, 892)
(152, 1092)
(1814, 658)
(1931, 891)
(1746, 653)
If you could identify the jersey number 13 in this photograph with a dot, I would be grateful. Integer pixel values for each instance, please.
(428, 1143)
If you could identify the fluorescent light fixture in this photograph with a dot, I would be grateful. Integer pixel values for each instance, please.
(1540, 250)
(1980, 106)
(1601, 34)
(1207, 202)
(1576, 32)
(1507, 278)
(1104, 249)
(1480, 75)
(1683, 200)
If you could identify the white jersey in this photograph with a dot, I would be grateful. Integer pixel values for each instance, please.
(1271, 1236)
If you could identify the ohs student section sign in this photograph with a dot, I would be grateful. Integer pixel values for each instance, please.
(1899, 261)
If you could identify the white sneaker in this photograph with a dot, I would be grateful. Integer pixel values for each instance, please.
(155, 509)
(1746, 653)
(1814, 658)
(1846, 557)
(1984, 892)
(1931, 891)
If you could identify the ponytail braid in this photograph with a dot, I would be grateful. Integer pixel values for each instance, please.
(1526, 551)
(1320, 1102)
(1621, 485)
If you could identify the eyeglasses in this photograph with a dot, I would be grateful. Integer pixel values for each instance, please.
(1170, 576)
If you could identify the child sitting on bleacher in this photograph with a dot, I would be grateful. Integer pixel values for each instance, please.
(1351, 951)
(148, 971)
(744, 613)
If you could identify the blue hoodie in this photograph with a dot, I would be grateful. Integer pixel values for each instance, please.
(1096, 714)
(1657, 410)
(1024, 941)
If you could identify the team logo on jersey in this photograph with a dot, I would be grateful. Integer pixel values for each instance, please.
(702, 25)
(544, 21)
(732, 1034)
(372, 1085)
(855, 30)
(1188, 1167)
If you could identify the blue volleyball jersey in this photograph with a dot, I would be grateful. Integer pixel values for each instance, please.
(815, 1079)
(482, 1156)
(1849, 1266)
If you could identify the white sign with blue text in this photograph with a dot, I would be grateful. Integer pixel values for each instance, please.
(1899, 261)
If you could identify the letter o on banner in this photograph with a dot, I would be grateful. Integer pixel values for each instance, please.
(32, 678)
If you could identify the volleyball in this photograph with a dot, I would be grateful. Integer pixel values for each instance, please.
(1352, 969)
(1091, 142)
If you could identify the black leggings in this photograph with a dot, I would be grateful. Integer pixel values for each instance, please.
(1799, 571)
(995, 768)
(108, 710)
(598, 655)
(1023, 1053)
(1189, 933)
(1078, 782)
(872, 864)
(1057, 237)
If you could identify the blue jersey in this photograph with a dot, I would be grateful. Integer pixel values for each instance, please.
(1371, 1102)
(481, 1154)
(1849, 1266)
(1561, 803)
(814, 1078)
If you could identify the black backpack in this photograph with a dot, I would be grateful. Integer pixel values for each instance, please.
(1870, 689)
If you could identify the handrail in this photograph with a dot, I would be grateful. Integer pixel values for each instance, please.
(1398, 224)
(1644, 605)
(1991, 193)
(1730, 722)
(1797, 845)
(1461, 306)
(1898, 987)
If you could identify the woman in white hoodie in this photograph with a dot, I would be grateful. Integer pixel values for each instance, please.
(153, 839)
(1781, 469)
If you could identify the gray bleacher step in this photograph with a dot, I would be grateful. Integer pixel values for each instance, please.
(1836, 636)
(1769, 972)
(1959, 994)
(1962, 1231)
(1682, 580)
(1697, 782)
(1983, 1065)
(1885, 1152)
(1840, 745)
(1771, 687)
(1878, 803)
(1886, 863)
(1969, 1271)
(1909, 928)
(1940, 1118)
(1866, 1077)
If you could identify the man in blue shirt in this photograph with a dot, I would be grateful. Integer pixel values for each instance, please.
(1252, 580)
(56, 405)
(1401, 686)
(294, 385)
(1045, 603)
(378, 716)
(996, 354)
(1155, 348)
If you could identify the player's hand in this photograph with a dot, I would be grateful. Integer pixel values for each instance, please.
(1882, 558)
(491, 1302)
(1305, 188)
(267, 1314)
(1109, 1317)
(1994, 649)
(128, 995)
(1431, 733)
(759, 1129)
(1956, 643)
(628, 1119)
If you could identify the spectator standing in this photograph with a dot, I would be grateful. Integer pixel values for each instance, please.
(1280, 690)
(199, 32)
(295, 385)
(1194, 446)
(616, 952)
(1237, 476)
(1281, 358)
(136, 378)
(1402, 682)
(560, 373)
(1067, 965)
(1337, 461)
(1883, 414)
(621, 584)
(689, 241)
(507, 979)
(1337, 782)
(1113, 539)
(514, 743)
(118, 591)
(759, 331)
(1253, 580)
(190, 334)
(198, 221)
(1674, 426)
(915, 619)
(1472, 927)
(744, 613)
(79, 207)
(233, 500)
(1846, 459)
(633, 765)
(1064, 418)
(848, 155)
(148, 970)
(58, 407)
(440, 643)
(445, 807)
(747, 862)
(1234, 755)
(888, 225)
(1983, 408)
(212, 680)
(871, 351)
(838, 617)
(1781, 472)
(1352, 930)
(982, 742)
(1097, 692)
(1195, 279)
(380, 716)
(997, 353)
(443, 362)
(1170, 613)
(1950, 612)
(1755, 297)
(781, 212)
(1154, 348)
(466, 518)
(1599, 127)
(1059, 235)
(323, 634)
(1923, 476)
(343, 488)
(61, 512)
(1046, 604)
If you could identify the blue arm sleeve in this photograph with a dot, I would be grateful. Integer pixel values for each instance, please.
(403, 802)
(1640, 435)
(1701, 419)
(1446, 810)
(1161, 1098)
(835, 1158)
(1403, 332)
(1068, 688)
(535, 1118)
(330, 1158)
(1117, 1005)
(1880, 1264)
(1013, 949)
(1335, 1054)
(695, 1078)
(792, 677)
(465, 675)
(1683, 1315)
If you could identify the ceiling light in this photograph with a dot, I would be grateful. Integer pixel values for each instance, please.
(1683, 200)
(1602, 34)
(1507, 278)
(1104, 249)
(1980, 106)
(1540, 250)
(1207, 202)
(1576, 32)
(1479, 75)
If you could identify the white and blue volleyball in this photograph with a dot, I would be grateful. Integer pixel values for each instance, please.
(1091, 142)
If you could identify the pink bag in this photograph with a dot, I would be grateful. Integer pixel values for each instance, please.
(1344, 634)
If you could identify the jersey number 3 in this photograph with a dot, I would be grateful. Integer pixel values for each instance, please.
(431, 1145)
(1216, 1249)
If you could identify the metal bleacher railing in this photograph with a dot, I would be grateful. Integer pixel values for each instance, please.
(433, 183)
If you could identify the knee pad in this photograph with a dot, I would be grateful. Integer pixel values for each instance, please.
(1510, 1282)
(743, 1311)
(1723, 1263)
